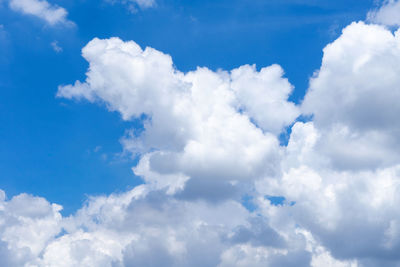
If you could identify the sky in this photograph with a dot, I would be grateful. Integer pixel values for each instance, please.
(60, 149)
(199, 133)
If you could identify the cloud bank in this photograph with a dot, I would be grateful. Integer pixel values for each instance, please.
(210, 140)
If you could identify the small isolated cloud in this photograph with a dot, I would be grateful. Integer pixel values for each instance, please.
(42, 9)
(144, 3)
(4, 45)
(388, 14)
(56, 47)
(2, 32)
(133, 5)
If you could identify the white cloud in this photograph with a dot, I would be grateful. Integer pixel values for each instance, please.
(354, 98)
(209, 139)
(27, 223)
(387, 14)
(142, 228)
(342, 169)
(132, 5)
(263, 95)
(52, 14)
(145, 3)
(195, 125)
(3, 34)
(353, 214)
(56, 47)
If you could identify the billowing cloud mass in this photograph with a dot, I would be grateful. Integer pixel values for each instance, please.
(219, 189)
(42, 9)
(387, 14)
(198, 135)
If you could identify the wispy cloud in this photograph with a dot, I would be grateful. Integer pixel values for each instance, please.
(133, 5)
(42, 9)
(387, 14)
(56, 47)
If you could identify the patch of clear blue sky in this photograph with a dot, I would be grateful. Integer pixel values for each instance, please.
(51, 147)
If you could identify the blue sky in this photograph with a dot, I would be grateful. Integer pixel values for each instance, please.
(48, 145)
(200, 133)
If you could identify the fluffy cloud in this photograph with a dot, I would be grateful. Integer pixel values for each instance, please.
(52, 14)
(27, 224)
(209, 139)
(353, 214)
(263, 95)
(387, 14)
(199, 125)
(143, 227)
(354, 96)
(342, 169)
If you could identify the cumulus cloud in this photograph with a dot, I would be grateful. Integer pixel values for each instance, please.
(353, 98)
(387, 14)
(142, 228)
(342, 169)
(42, 9)
(27, 223)
(263, 95)
(200, 126)
(209, 139)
